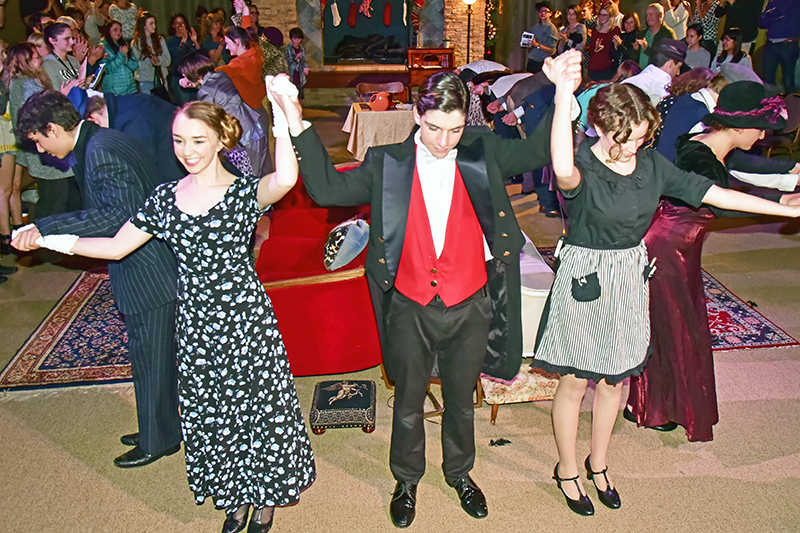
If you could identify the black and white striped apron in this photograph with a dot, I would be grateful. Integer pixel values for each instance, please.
(603, 338)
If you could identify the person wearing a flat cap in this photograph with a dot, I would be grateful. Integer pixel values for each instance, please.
(667, 59)
(677, 386)
(545, 38)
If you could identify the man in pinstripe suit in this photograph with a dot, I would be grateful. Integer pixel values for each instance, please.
(115, 176)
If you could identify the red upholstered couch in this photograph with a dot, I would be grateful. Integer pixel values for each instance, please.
(326, 318)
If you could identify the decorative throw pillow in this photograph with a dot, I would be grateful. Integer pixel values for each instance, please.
(345, 242)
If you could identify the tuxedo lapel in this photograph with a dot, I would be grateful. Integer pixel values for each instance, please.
(471, 161)
(398, 176)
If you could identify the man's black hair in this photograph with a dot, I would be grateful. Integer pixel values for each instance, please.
(443, 91)
(46, 107)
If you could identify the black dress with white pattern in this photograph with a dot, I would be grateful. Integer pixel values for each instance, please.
(243, 430)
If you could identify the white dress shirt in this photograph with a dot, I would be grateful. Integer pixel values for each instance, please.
(437, 178)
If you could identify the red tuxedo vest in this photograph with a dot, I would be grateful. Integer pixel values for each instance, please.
(460, 271)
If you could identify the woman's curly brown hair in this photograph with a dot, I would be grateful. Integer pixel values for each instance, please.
(617, 108)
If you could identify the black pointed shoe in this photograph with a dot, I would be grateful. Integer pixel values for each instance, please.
(260, 527)
(234, 525)
(583, 505)
(472, 499)
(136, 457)
(130, 440)
(628, 415)
(403, 506)
(608, 497)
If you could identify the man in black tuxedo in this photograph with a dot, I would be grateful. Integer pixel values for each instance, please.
(115, 176)
(443, 267)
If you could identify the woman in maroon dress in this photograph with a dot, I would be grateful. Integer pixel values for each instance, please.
(677, 386)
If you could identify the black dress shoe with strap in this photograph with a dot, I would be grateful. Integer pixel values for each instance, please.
(610, 496)
(130, 440)
(260, 527)
(402, 508)
(583, 505)
(136, 457)
(233, 524)
(472, 499)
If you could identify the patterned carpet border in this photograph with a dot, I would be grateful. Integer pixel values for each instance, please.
(81, 342)
(734, 324)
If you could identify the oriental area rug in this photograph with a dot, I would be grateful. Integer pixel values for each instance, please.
(83, 340)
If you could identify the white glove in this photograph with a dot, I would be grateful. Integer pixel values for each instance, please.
(280, 126)
(22, 229)
(59, 243)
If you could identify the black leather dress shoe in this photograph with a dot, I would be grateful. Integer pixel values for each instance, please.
(136, 457)
(472, 499)
(7, 271)
(583, 505)
(627, 414)
(669, 426)
(130, 440)
(232, 525)
(403, 506)
(610, 496)
(260, 527)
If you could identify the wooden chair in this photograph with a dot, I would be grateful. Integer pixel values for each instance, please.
(787, 141)
(366, 90)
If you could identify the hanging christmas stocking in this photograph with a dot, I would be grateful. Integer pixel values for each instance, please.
(387, 14)
(351, 18)
(337, 19)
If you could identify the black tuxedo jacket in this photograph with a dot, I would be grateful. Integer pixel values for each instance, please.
(384, 180)
(115, 177)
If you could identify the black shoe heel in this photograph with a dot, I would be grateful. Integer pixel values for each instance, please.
(234, 525)
(583, 505)
(608, 497)
(260, 527)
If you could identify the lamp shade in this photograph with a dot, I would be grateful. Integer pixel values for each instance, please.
(469, 2)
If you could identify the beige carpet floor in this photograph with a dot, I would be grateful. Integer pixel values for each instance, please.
(57, 447)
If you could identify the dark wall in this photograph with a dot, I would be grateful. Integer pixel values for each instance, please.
(364, 26)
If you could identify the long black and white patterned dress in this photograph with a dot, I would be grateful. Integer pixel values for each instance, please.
(243, 430)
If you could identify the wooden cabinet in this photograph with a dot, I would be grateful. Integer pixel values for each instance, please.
(422, 62)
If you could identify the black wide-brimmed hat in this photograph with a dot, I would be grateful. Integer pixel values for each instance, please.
(744, 104)
(673, 49)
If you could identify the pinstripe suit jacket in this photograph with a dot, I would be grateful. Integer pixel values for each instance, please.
(115, 178)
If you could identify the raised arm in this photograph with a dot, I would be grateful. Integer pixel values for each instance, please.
(274, 186)
(565, 73)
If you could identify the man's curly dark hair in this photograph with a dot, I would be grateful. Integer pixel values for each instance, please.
(46, 107)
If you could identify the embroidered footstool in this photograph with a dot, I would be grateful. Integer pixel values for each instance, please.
(529, 385)
(343, 404)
